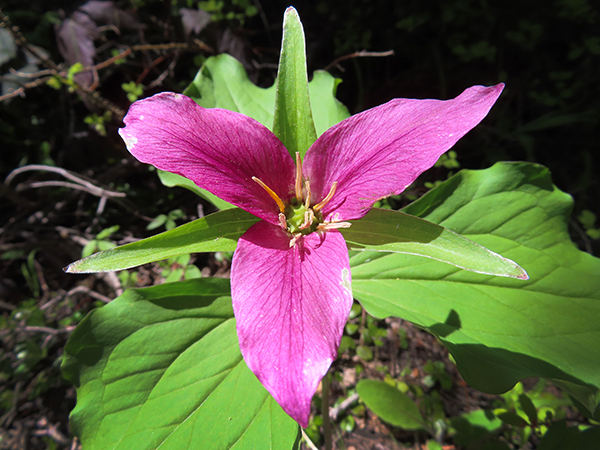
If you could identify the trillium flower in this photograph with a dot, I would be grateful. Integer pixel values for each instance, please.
(290, 275)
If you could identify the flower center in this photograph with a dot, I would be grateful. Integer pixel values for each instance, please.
(299, 217)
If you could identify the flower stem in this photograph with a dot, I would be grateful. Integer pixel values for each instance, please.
(327, 435)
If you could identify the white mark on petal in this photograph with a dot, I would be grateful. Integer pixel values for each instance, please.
(346, 283)
(141, 117)
(130, 141)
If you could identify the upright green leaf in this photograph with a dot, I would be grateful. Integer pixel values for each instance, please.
(293, 123)
(160, 367)
(499, 330)
(216, 232)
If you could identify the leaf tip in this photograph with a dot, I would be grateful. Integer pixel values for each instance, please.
(291, 11)
(522, 273)
(71, 268)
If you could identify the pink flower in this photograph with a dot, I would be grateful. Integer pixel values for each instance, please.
(290, 276)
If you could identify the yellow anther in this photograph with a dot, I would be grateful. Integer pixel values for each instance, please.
(298, 186)
(273, 195)
(323, 202)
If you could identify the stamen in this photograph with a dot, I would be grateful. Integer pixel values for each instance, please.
(307, 201)
(282, 221)
(333, 225)
(323, 202)
(309, 216)
(273, 195)
(295, 239)
(298, 186)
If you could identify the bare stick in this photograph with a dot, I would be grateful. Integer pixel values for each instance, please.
(327, 431)
(361, 54)
(335, 412)
(81, 183)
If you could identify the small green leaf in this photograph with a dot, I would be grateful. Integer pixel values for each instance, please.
(157, 222)
(293, 123)
(512, 418)
(529, 409)
(161, 367)
(107, 232)
(394, 231)
(171, 179)
(215, 232)
(364, 353)
(390, 404)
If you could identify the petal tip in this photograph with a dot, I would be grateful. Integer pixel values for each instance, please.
(130, 141)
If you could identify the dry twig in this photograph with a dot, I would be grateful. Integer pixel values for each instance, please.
(361, 54)
(80, 183)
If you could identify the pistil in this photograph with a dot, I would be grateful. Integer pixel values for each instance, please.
(298, 185)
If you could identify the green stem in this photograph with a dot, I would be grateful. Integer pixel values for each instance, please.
(327, 435)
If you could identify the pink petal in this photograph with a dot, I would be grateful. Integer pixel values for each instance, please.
(291, 305)
(219, 150)
(380, 152)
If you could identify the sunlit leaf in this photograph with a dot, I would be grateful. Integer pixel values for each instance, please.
(394, 231)
(499, 330)
(293, 123)
(161, 368)
(216, 232)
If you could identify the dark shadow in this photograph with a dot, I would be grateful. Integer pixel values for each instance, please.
(450, 325)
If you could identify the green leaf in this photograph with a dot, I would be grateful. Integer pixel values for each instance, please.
(326, 109)
(394, 231)
(293, 123)
(216, 232)
(223, 83)
(171, 179)
(499, 330)
(390, 404)
(160, 367)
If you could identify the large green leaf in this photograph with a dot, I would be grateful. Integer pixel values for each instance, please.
(222, 82)
(394, 231)
(161, 368)
(216, 232)
(293, 123)
(499, 330)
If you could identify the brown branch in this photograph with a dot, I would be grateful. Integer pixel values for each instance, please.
(20, 92)
(81, 184)
(49, 330)
(361, 54)
(22, 42)
(88, 93)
